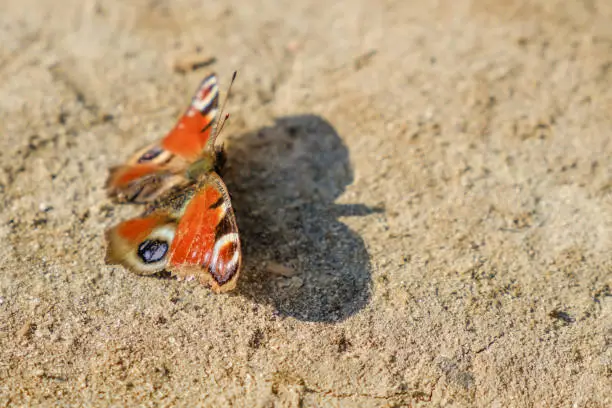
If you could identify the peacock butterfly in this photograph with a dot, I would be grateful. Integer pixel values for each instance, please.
(188, 227)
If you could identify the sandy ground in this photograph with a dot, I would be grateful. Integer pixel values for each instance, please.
(433, 181)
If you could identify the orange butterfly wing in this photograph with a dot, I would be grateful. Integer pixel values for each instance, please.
(141, 244)
(206, 244)
(194, 130)
(157, 168)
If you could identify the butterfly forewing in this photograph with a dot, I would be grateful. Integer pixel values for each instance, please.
(206, 244)
(193, 132)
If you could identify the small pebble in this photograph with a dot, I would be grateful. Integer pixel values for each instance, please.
(279, 269)
(190, 62)
(44, 207)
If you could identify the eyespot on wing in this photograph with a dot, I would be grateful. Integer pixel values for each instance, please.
(141, 244)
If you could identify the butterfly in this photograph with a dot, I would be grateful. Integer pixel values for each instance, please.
(188, 227)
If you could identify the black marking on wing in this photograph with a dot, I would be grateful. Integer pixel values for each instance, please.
(217, 203)
(205, 128)
(133, 191)
(150, 154)
(151, 251)
(226, 225)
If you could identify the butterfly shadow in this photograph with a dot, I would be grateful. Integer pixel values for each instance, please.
(298, 256)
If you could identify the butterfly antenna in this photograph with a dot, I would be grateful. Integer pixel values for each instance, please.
(225, 118)
(219, 127)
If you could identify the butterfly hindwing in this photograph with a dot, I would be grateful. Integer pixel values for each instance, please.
(206, 243)
(141, 244)
(157, 168)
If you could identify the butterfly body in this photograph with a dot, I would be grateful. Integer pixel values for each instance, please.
(189, 227)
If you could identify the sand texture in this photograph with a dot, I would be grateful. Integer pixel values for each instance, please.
(423, 191)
